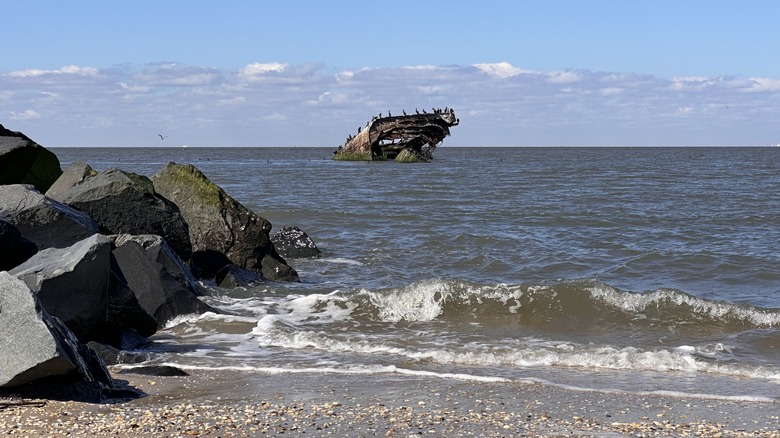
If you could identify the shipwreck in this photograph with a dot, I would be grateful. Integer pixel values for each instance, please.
(405, 138)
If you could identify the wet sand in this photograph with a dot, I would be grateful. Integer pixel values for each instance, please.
(217, 403)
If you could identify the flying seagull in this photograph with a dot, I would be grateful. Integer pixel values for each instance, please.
(162, 137)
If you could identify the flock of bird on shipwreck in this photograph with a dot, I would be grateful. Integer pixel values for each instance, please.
(405, 138)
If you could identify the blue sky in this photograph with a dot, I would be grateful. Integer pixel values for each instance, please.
(308, 73)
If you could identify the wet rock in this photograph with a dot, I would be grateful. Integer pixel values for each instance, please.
(293, 243)
(232, 276)
(160, 292)
(124, 202)
(14, 248)
(220, 223)
(45, 221)
(111, 355)
(156, 370)
(23, 161)
(124, 311)
(207, 263)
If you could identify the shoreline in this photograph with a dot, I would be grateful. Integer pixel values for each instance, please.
(222, 403)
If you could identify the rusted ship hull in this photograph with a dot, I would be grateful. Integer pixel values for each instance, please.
(406, 138)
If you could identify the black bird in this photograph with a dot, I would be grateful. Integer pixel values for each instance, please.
(162, 137)
(403, 111)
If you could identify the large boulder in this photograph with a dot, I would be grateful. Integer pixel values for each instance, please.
(46, 222)
(124, 311)
(23, 161)
(220, 223)
(75, 174)
(123, 202)
(162, 291)
(231, 276)
(294, 243)
(36, 345)
(14, 248)
(71, 284)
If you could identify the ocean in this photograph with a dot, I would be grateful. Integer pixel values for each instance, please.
(644, 270)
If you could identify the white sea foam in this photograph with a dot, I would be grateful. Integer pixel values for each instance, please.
(513, 353)
(342, 260)
(636, 303)
(417, 302)
(393, 370)
(347, 370)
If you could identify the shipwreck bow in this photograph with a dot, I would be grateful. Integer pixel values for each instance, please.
(405, 138)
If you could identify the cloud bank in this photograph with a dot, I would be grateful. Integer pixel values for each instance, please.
(275, 104)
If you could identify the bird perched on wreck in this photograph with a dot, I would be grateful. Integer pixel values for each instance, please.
(411, 137)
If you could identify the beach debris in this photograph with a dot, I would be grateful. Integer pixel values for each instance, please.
(404, 138)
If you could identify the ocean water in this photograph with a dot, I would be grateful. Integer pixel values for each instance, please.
(645, 270)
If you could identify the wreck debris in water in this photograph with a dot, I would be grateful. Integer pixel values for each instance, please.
(404, 138)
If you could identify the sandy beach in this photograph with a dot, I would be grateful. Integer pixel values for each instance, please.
(210, 403)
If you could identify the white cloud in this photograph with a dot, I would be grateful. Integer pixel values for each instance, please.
(25, 115)
(502, 70)
(512, 105)
(563, 77)
(276, 117)
(232, 101)
(760, 85)
(329, 97)
(134, 88)
(172, 74)
(610, 91)
(257, 71)
(67, 70)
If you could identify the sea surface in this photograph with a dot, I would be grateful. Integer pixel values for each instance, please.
(644, 270)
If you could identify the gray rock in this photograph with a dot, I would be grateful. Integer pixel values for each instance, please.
(124, 202)
(46, 222)
(71, 284)
(128, 350)
(232, 276)
(158, 250)
(293, 243)
(220, 223)
(14, 248)
(111, 355)
(36, 345)
(124, 311)
(75, 174)
(159, 292)
(23, 161)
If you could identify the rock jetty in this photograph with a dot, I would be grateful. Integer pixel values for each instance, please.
(92, 263)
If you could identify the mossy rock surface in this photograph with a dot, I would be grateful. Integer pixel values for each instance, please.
(218, 223)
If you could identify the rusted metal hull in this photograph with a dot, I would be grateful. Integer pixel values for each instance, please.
(406, 138)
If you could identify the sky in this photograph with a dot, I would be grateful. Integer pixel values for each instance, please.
(308, 73)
